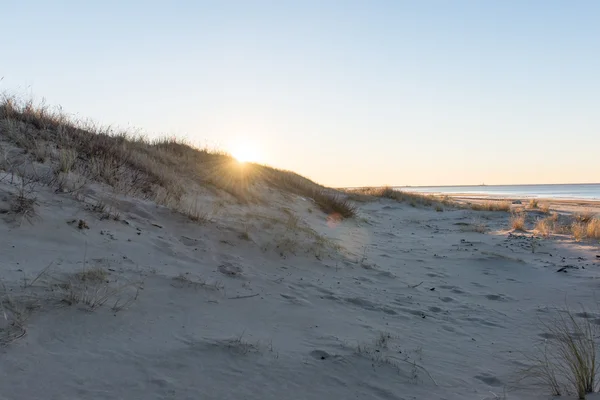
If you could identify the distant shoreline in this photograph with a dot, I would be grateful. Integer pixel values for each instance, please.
(471, 196)
(511, 197)
(481, 185)
(555, 192)
(495, 186)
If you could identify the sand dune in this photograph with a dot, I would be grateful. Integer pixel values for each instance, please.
(108, 296)
(406, 303)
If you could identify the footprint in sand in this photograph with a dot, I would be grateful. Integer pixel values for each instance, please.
(585, 315)
(496, 297)
(295, 300)
(188, 241)
(447, 299)
(417, 313)
(483, 322)
(386, 274)
(230, 270)
(320, 354)
(165, 247)
(489, 379)
(367, 305)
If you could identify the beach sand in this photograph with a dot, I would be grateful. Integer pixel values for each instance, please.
(276, 300)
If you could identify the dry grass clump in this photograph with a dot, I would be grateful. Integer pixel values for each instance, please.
(195, 213)
(578, 229)
(593, 229)
(567, 363)
(14, 316)
(586, 230)
(240, 345)
(131, 165)
(586, 226)
(387, 192)
(159, 170)
(333, 204)
(24, 200)
(582, 226)
(23, 204)
(328, 200)
(478, 227)
(105, 211)
(66, 160)
(533, 203)
(544, 227)
(93, 292)
(584, 217)
(551, 225)
(15, 309)
(95, 274)
(545, 208)
(517, 222)
(90, 287)
(491, 206)
(384, 349)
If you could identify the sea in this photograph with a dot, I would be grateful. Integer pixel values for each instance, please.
(587, 191)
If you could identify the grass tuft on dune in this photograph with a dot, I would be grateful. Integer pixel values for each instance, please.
(387, 192)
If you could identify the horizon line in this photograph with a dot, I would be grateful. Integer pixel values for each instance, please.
(480, 185)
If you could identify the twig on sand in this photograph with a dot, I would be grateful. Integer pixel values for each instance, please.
(422, 369)
(414, 286)
(38, 276)
(243, 297)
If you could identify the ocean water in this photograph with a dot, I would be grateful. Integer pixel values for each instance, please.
(570, 191)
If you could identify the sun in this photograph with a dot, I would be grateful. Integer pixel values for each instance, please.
(245, 151)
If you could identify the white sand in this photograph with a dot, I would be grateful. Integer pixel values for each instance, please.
(455, 307)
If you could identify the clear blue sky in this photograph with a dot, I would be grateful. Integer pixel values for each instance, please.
(348, 93)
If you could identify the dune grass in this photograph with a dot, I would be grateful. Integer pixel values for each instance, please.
(478, 227)
(94, 274)
(14, 311)
(567, 362)
(420, 199)
(491, 206)
(549, 225)
(580, 226)
(533, 203)
(160, 170)
(584, 217)
(517, 222)
(387, 192)
(586, 230)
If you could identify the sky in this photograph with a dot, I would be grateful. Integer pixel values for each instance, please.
(348, 93)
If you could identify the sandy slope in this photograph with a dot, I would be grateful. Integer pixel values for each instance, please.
(411, 306)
